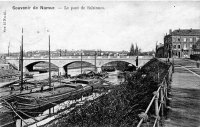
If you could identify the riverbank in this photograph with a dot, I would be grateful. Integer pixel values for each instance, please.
(121, 106)
(9, 75)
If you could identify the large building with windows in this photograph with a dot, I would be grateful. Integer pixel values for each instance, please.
(180, 43)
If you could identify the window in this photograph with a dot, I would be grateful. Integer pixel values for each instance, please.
(179, 46)
(174, 46)
(178, 39)
(174, 39)
(190, 39)
(184, 39)
(197, 38)
(184, 46)
(190, 45)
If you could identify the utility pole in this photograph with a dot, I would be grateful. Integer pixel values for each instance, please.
(21, 61)
(49, 64)
(95, 61)
(136, 59)
(81, 62)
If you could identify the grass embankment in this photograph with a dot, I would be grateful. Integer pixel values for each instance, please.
(8, 75)
(121, 106)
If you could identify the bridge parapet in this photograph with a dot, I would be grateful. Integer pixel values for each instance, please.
(84, 57)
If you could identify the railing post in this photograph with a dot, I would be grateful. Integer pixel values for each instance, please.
(171, 71)
(162, 100)
(156, 107)
(165, 94)
(173, 66)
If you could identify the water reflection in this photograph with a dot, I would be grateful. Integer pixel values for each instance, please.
(112, 76)
(74, 72)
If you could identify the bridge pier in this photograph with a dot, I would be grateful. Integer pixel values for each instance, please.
(98, 69)
(25, 69)
(61, 71)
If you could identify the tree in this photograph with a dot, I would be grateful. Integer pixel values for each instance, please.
(132, 50)
(139, 51)
(136, 49)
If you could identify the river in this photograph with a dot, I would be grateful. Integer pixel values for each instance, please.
(112, 78)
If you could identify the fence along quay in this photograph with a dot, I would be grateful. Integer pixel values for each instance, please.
(159, 99)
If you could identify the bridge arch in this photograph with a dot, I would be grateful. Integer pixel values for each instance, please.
(62, 61)
(120, 65)
(76, 65)
(30, 66)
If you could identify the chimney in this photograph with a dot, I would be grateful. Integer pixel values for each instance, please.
(170, 31)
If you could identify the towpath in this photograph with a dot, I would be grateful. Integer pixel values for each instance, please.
(184, 108)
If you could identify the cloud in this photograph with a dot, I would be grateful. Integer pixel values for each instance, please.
(115, 28)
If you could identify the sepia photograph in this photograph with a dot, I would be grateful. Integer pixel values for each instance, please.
(100, 63)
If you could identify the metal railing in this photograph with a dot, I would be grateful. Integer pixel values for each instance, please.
(159, 99)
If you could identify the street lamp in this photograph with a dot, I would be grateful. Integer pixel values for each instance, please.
(81, 61)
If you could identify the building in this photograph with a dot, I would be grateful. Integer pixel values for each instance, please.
(196, 47)
(160, 50)
(180, 43)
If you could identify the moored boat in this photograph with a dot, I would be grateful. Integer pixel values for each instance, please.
(37, 102)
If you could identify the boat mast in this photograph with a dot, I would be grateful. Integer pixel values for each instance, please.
(9, 49)
(21, 61)
(49, 64)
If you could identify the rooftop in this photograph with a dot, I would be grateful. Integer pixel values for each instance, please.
(160, 45)
(186, 32)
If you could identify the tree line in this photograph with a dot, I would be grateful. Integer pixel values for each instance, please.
(134, 50)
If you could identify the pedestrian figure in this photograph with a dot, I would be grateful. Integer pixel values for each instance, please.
(41, 89)
(92, 89)
(12, 88)
(21, 89)
(197, 64)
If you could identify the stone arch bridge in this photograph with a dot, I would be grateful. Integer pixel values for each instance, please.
(60, 62)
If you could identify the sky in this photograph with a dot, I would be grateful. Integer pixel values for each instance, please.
(114, 26)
